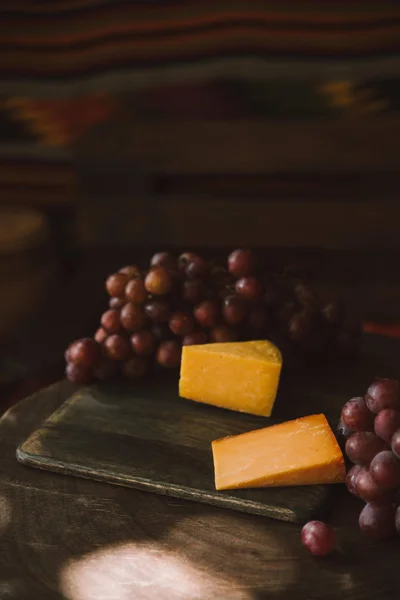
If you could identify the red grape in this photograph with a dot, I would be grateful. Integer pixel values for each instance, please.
(386, 423)
(158, 281)
(356, 416)
(385, 469)
(234, 309)
(223, 334)
(333, 313)
(163, 259)
(362, 446)
(135, 367)
(351, 478)
(116, 302)
(383, 393)
(193, 291)
(85, 352)
(367, 489)
(206, 313)
(377, 520)
(196, 268)
(186, 258)
(105, 369)
(115, 284)
(100, 336)
(397, 520)
(81, 374)
(135, 291)
(132, 317)
(249, 288)
(396, 443)
(196, 337)
(131, 271)
(241, 263)
(110, 320)
(318, 538)
(116, 347)
(158, 311)
(169, 354)
(181, 323)
(300, 326)
(143, 342)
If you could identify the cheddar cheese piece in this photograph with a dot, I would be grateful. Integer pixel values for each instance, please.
(242, 376)
(299, 452)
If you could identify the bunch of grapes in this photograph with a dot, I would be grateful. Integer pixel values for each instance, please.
(371, 427)
(188, 300)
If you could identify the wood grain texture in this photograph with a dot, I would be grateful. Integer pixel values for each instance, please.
(66, 538)
(143, 435)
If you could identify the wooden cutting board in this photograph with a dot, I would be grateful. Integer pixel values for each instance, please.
(143, 435)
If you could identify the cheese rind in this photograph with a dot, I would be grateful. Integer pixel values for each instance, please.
(299, 452)
(241, 376)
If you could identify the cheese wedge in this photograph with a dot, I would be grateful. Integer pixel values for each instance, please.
(242, 376)
(299, 452)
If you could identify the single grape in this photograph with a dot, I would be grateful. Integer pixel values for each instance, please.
(241, 263)
(105, 369)
(395, 442)
(351, 478)
(116, 302)
(383, 393)
(234, 309)
(135, 367)
(196, 268)
(257, 319)
(377, 520)
(193, 291)
(181, 323)
(169, 354)
(163, 259)
(131, 271)
(206, 313)
(385, 469)
(386, 423)
(85, 352)
(135, 291)
(223, 334)
(133, 317)
(143, 342)
(333, 313)
(81, 374)
(194, 338)
(158, 281)
(186, 258)
(100, 336)
(116, 347)
(305, 294)
(249, 288)
(158, 311)
(397, 519)
(115, 284)
(362, 446)
(318, 538)
(356, 415)
(110, 320)
(368, 490)
(300, 326)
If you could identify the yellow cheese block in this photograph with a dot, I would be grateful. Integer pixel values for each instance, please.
(299, 452)
(242, 376)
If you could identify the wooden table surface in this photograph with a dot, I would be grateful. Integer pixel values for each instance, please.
(64, 537)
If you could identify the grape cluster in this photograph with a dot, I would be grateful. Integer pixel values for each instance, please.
(188, 300)
(370, 426)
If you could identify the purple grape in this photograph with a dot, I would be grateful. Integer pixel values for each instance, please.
(351, 478)
(362, 446)
(397, 519)
(368, 490)
(318, 537)
(386, 423)
(385, 469)
(377, 520)
(383, 393)
(396, 443)
(356, 416)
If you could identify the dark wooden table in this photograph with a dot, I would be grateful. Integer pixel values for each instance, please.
(64, 537)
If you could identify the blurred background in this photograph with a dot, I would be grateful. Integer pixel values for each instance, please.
(130, 127)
